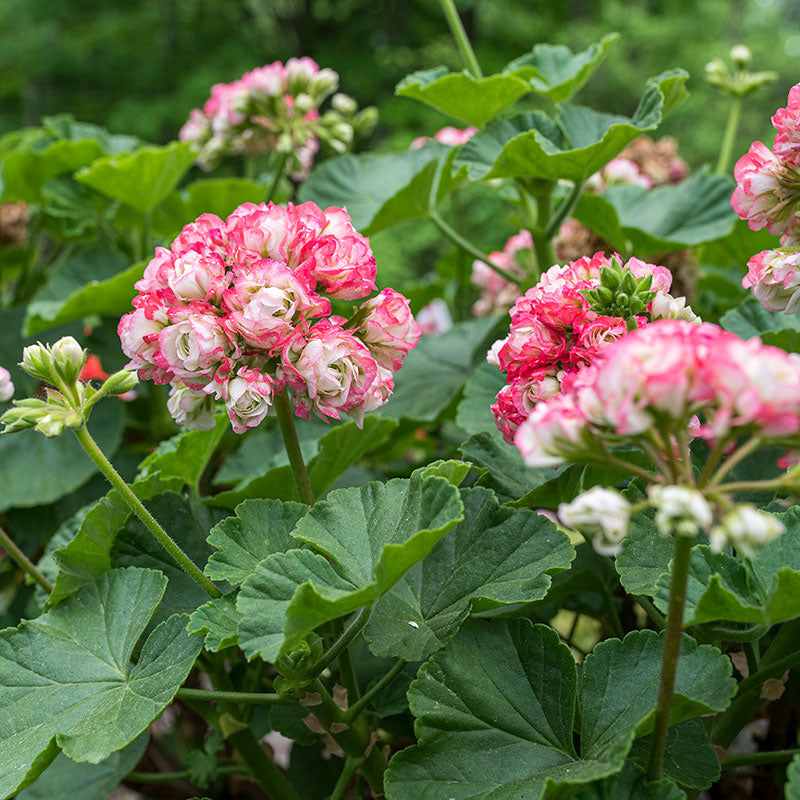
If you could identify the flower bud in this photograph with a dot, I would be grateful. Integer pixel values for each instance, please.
(6, 385)
(322, 84)
(365, 121)
(680, 511)
(51, 425)
(740, 55)
(717, 73)
(22, 417)
(119, 383)
(68, 358)
(747, 529)
(344, 104)
(36, 361)
(303, 103)
(665, 306)
(603, 514)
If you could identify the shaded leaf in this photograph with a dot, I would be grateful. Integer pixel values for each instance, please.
(631, 784)
(750, 319)
(218, 621)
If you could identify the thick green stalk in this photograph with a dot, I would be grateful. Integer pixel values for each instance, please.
(462, 40)
(746, 759)
(283, 406)
(729, 138)
(262, 767)
(457, 239)
(23, 561)
(564, 210)
(148, 520)
(257, 698)
(672, 651)
(350, 766)
(542, 240)
(354, 710)
(279, 167)
(183, 775)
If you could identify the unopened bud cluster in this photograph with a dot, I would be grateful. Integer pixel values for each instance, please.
(740, 82)
(680, 511)
(620, 293)
(276, 108)
(68, 400)
(602, 514)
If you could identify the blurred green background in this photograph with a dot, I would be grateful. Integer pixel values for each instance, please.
(140, 67)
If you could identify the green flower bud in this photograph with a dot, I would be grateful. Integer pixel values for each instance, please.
(610, 277)
(119, 383)
(51, 425)
(717, 73)
(628, 284)
(68, 358)
(365, 121)
(605, 295)
(741, 56)
(36, 361)
(622, 300)
(344, 104)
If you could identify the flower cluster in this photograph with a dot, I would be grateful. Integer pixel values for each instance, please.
(6, 385)
(497, 293)
(453, 137)
(555, 332)
(275, 108)
(238, 310)
(660, 377)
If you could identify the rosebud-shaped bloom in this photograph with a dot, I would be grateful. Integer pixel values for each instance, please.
(665, 306)
(747, 529)
(329, 370)
(787, 122)
(603, 514)
(555, 432)
(191, 408)
(388, 329)
(680, 511)
(774, 278)
(138, 334)
(248, 398)
(68, 359)
(6, 385)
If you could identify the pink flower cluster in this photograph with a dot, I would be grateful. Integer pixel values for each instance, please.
(238, 310)
(768, 181)
(618, 171)
(497, 294)
(666, 373)
(6, 385)
(273, 107)
(554, 333)
(453, 137)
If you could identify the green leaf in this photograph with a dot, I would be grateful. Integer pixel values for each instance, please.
(480, 391)
(793, 780)
(531, 145)
(750, 319)
(472, 100)
(218, 621)
(666, 218)
(382, 190)
(505, 471)
(495, 557)
(631, 784)
(67, 682)
(65, 779)
(218, 196)
(645, 556)
(258, 529)
(339, 449)
(141, 179)
(434, 372)
(688, 757)
(88, 555)
(373, 534)
(555, 71)
(452, 471)
(93, 281)
(511, 687)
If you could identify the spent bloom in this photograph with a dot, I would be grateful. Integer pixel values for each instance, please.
(747, 529)
(6, 385)
(237, 310)
(276, 108)
(602, 514)
(680, 511)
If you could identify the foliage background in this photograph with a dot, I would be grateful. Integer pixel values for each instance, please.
(140, 67)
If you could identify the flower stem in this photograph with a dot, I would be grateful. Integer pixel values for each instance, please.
(738, 456)
(149, 521)
(728, 140)
(460, 35)
(358, 707)
(338, 647)
(264, 770)
(672, 651)
(283, 406)
(655, 615)
(564, 210)
(470, 248)
(183, 775)
(350, 766)
(23, 561)
(279, 167)
(745, 759)
(257, 698)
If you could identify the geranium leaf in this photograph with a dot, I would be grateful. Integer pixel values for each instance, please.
(67, 681)
(218, 621)
(531, 145)
(644, 557)
(494, 557)
(750, 319)
(631, 784)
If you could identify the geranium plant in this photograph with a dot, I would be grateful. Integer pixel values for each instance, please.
(524, 528)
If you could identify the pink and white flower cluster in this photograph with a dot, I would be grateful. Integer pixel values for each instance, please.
(497, 293)
(6, 385)
(767, 195)
(453, 137)
(274, 107)
(554, 333)
(663, 375)
(238, 310)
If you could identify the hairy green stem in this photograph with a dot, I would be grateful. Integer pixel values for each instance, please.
(183, 775)
(148, 520)
(258, 698)
(23, 562)
(672, 651)
(279, 168)
(729, 138)
(542, 241)
(736, 457)
(354, 710)
(342, 643)
(458, 240)
(655, 615)
(564, 210)
(461, 38)
(283, 406)
(746, 759)
(350, 766)
(262, 767)
(756, 680)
